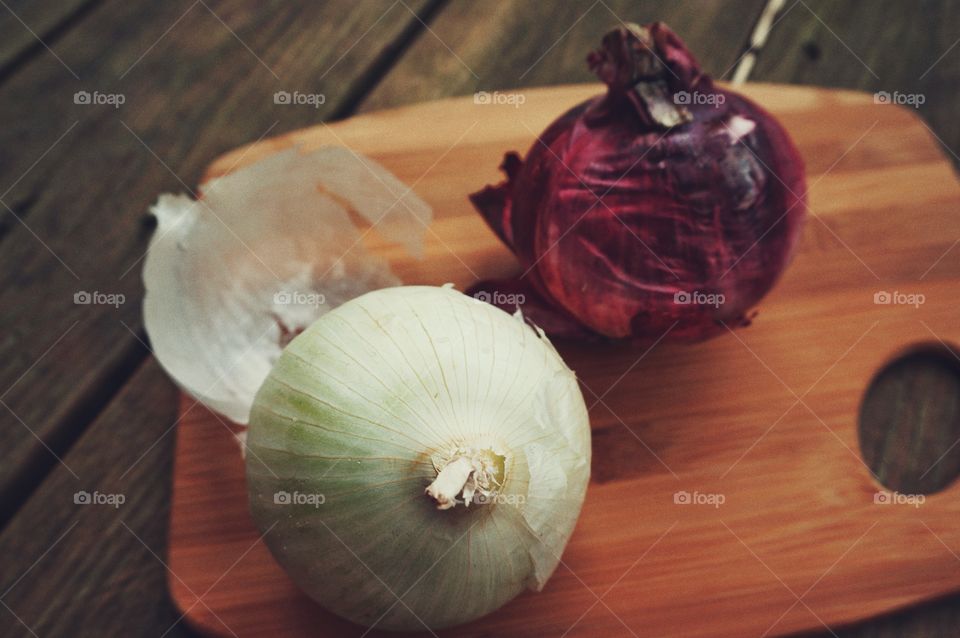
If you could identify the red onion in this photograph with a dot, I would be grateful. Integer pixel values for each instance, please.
(669, 204)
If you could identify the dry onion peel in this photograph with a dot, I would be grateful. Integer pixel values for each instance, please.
(231, 277)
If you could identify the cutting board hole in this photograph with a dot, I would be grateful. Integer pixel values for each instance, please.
(909, 424)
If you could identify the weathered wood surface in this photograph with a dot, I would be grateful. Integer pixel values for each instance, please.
(197, 79)
(494, 45)
(908, 48)
(97, 570)
(29, 28)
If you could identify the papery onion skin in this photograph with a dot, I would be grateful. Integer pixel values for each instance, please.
(359, 409)
(232, 276)
(702, 197)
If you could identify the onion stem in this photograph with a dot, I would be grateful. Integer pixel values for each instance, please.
(473, 474)
(451, 480)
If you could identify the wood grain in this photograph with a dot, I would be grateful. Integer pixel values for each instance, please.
(196, 82)
(910, 423)
(869, 46)
(908, 47)
(504, 44)
(880, 45)
(96, 570)
(765, 417)
(32, 27)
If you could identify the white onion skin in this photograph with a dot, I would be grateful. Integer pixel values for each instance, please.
(355, 410)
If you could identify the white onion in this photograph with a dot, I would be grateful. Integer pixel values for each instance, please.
(363, 411)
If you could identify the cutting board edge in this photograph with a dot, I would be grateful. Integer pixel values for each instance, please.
(233, 157)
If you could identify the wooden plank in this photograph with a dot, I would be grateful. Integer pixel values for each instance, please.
(31, 27)
(495, 45)
(95, 570)
(909, 48)
(196, 81)
(765, 417)
(882, 45)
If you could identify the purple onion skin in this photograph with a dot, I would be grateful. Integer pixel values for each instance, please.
(706, 197)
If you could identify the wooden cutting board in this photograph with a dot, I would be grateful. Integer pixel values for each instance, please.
(757, 429)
